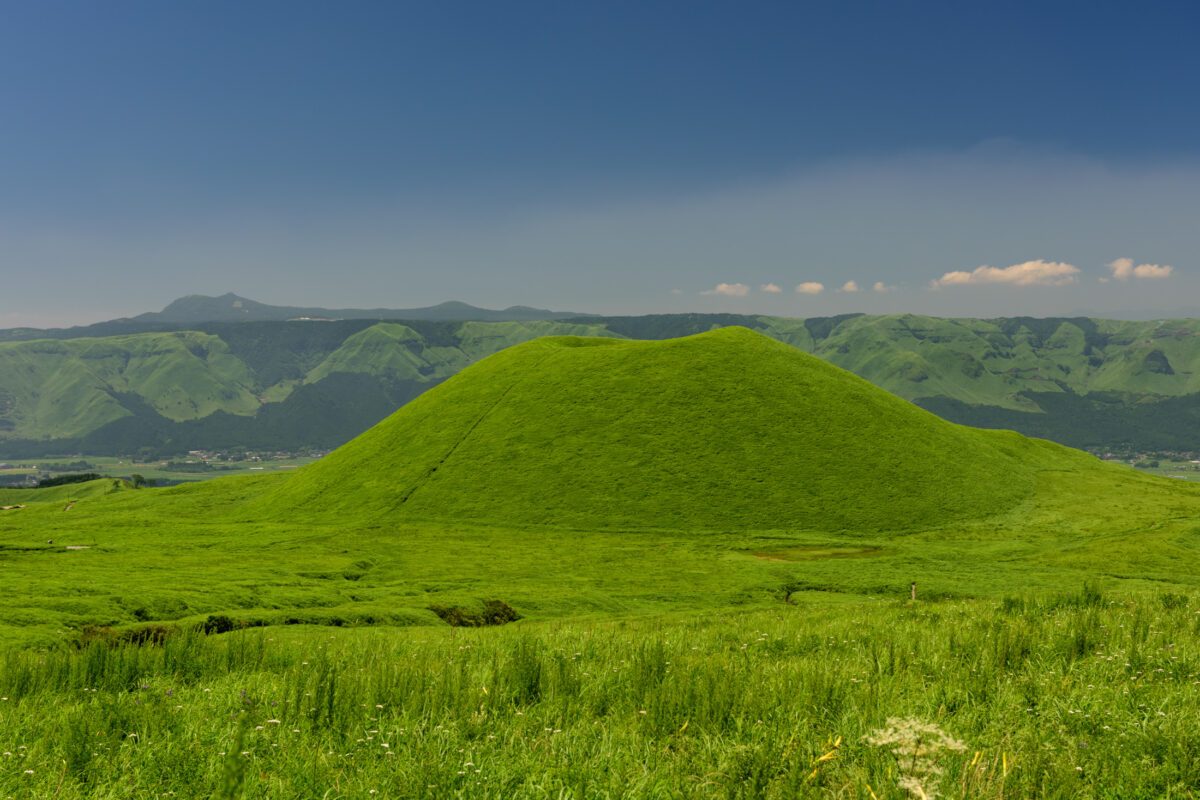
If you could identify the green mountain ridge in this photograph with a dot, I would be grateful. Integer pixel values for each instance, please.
(292, 385)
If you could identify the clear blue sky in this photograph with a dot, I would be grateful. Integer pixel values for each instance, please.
(609, 157)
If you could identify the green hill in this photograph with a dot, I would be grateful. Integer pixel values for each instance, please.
(728, 429)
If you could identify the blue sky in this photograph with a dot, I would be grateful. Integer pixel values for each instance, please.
(608, 157)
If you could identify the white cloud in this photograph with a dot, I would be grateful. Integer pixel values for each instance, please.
(1153, 271)
(770, 288)
(1123, 269)
(1030, 273)
(729, 290)
(849, 286)
(810, 287)
(882, 287)
(677, 291)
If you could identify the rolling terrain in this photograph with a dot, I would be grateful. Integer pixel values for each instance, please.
(159, 389)
(702, 549)
(570, 476)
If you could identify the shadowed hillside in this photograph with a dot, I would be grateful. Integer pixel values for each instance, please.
(728, 429)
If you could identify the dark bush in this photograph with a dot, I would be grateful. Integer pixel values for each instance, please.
(494, 612)
(219, 623)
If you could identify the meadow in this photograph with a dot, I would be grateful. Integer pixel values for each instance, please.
(175, 556)
(1082, 694)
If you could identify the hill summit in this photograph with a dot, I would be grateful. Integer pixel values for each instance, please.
(722, 430)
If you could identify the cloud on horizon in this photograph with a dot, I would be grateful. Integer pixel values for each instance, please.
(849, 286)
(729, 290)
(770, 288)
(810, 287)
(882, 287)
(1123, 269)
(1029, 273)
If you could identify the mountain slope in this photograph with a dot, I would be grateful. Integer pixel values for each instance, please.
(993, 362)
(400, 352)
(727, 429)
(68, 388)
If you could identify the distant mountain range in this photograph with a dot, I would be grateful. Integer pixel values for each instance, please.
(197, 309)
(161, 385)
(231, 308)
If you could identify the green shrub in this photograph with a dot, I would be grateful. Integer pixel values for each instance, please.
(494, 612)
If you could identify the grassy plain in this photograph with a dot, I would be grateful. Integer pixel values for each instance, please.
(180, 554)
(1081, 695)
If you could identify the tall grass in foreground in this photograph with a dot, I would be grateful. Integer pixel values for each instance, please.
(1083, 696)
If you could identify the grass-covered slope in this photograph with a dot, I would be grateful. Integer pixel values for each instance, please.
(728, 429)
(1003, 362)
(56, 389)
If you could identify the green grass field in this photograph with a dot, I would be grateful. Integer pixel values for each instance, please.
(712, 590)
(1076, 695)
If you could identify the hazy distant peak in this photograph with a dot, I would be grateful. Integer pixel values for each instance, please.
(230, 307)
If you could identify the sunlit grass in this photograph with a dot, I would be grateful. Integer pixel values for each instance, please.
(1084, 695)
